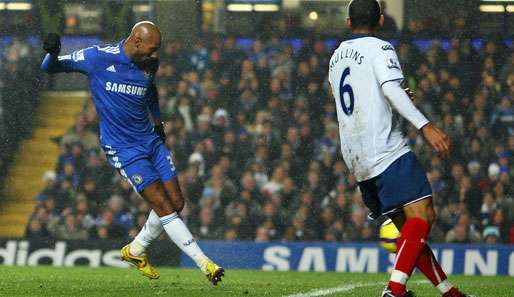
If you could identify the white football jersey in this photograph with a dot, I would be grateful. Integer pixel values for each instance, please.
(370, 135)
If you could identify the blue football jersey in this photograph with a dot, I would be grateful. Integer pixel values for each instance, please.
(122, 92)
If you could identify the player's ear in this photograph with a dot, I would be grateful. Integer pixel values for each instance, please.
(138, 41)
(349, 23)
(381, 20)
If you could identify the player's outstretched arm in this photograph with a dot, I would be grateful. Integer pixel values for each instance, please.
(80, 61)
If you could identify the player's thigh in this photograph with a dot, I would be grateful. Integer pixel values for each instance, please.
(423, 209)
(369, 190)
(163, 163)
(403, 184)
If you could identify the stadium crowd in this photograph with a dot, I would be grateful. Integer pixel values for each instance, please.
(19, 94)
(254, 136)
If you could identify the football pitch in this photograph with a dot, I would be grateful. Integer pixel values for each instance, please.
(89, 282)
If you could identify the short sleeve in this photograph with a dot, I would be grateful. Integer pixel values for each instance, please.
(79, 61)
(386, 65)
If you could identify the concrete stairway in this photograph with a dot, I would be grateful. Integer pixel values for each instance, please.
(55, 115)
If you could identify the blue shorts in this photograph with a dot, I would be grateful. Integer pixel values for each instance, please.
(144, 164)
(402, 183)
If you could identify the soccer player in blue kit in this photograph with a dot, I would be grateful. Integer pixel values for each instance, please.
(121, 79)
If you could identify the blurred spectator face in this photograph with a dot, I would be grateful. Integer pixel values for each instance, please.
(246, 66)
(289, 234)
(357, 198)
(367, 232)
(358, 217)
(35, 226)
(457, 172)
(499, 190)
(269, 210)
(461, 233)
(102, 232)
(76, 150)
(41, 214)
(289, 185)
(261, 234)
(341, 200)
(491, 239)
(215, 56)
(474, 168)
(90, 186)
(306, 198)
(107, 217)
(69, 169)
(464, 219)
(303, 69)
(313, 178)
(327, 215)
(116, 204)
(230, 43)
(248, 182)
(488, 199)
(229, 137)
(498, 217)
(71, 222)
(330, 236)
(49, 204)
(82, 206)
(206, 216)
(231, 234)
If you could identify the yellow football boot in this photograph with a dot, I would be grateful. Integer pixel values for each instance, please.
(213, 272)
(140, 262)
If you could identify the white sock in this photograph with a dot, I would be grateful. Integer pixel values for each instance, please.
(150, 231)
(398, 276)
(180, 235)
(444, 286)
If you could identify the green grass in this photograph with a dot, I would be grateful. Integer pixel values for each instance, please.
(104, 282)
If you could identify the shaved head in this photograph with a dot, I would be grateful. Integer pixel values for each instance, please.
(145, 30)
(143, 42)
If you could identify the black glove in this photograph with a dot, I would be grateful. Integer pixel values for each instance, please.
(52, 43)
(159, 129)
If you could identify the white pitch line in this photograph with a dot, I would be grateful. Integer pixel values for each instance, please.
(332, 291)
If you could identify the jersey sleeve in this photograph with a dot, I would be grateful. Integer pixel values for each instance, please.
(386, 65)
(82, 61)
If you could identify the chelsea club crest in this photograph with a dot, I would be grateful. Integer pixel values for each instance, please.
(137, 179)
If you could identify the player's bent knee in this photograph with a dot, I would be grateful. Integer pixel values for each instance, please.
(161, 206)
(178, 204)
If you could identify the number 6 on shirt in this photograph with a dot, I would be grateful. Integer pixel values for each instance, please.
(348, 110)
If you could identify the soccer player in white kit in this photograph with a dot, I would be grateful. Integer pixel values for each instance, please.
(365, 77)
